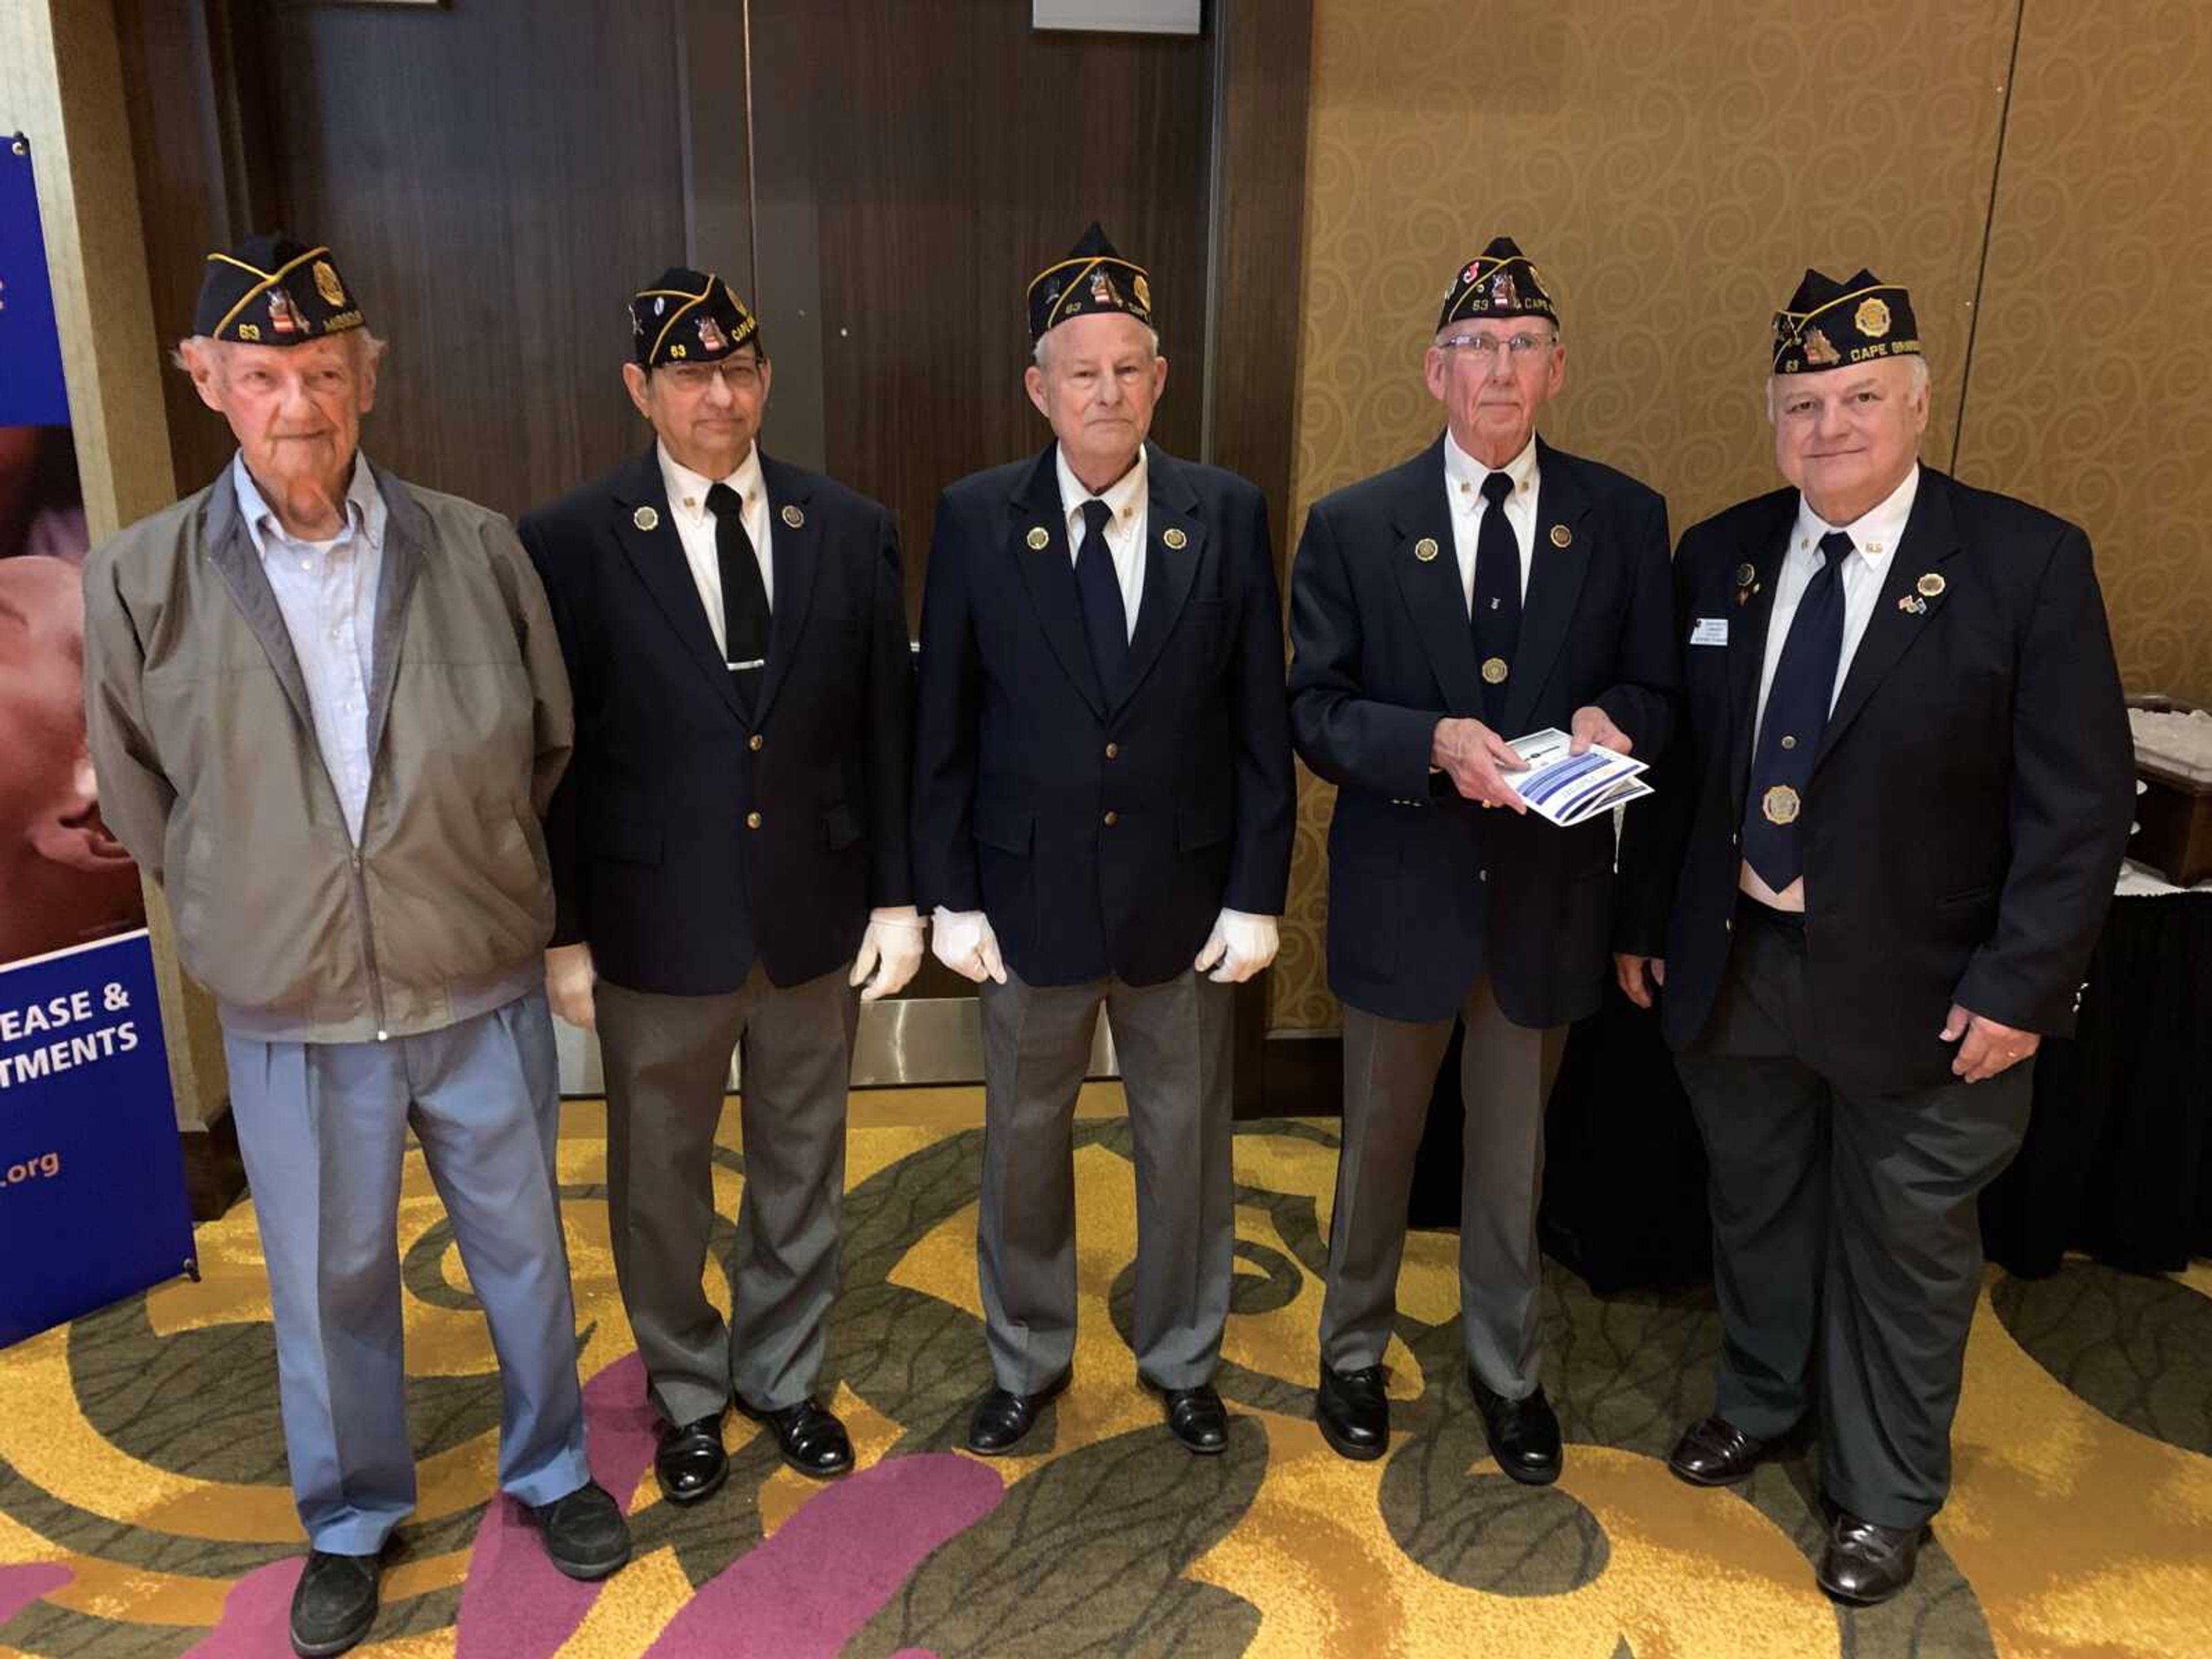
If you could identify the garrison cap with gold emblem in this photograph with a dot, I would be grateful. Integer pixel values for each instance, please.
(272, 290)
(1092, 277)
(1832, 324)
(1500, 282)
(690, 317)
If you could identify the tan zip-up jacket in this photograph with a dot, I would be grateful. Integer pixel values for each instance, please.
(211, 774)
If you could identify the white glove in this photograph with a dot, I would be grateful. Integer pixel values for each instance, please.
(964, 942)
(1242, 943)
(569, 979)
(890, 950)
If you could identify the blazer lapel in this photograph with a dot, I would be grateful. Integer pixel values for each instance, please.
(1556, 570)
(1931, 536)
(646, 531)
(1048, 570)
(1426, 561)
(230, 550)
(794, 540)
(1752, 607)
(1174, 541)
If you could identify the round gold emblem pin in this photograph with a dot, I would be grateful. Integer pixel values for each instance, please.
(327, 283)
(1494, 671)
(793, 517)
(1425, 549)
(1037, 538)
(1745, 574)
(1929, 585)
(1872, 318)
(1176, 540)
(646, 519)
(1781, 804)
(1561, 535)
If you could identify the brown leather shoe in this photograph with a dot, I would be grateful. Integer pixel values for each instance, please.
(1715, 1453)
(1865, 1562)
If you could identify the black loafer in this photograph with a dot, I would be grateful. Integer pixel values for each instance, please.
(1524, 1433)
(585, 1536)
(811, 1438)
(1002, 1417)
(1715, 1453)
(1865, 1561)
(334, 1603)
(1197, 1418)
(1353, 1412)
(690, 1461)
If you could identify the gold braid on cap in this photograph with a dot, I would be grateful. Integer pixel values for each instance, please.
(269, 280)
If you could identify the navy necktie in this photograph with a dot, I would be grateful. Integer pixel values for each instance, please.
(745, 596)
(1496, 618)
(1105, 622)
(1796, 714)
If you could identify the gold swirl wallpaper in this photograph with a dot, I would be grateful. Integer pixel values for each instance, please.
(1674, 167)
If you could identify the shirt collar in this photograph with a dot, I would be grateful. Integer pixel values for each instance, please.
(1121, 497)
(687, 490)
(1875, 533)
(365, 510)
(1461, 468)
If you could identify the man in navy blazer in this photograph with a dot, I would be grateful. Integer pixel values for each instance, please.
(1102, 814)
(1491, 587)
(1868, 885)
(729, 852)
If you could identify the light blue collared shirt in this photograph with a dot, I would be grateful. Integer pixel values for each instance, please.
(327, 593)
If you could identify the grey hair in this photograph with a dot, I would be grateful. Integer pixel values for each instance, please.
(1038, 353)
(372, 347)
(1917, 381)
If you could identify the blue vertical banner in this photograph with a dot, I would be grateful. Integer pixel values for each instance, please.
(91, 1187)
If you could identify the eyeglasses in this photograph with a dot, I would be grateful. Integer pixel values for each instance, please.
(1488, 345)
(738, 374)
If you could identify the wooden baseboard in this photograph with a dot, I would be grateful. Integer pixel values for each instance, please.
(1301, 1075)
(214, 1175)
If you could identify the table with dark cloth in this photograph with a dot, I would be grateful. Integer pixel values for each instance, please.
(2116, 1162)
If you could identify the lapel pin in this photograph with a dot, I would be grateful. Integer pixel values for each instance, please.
(1912, 604)
(1929, 585)
(1425, 549)
(1561, 535)
(1038, 539)
(1176, 540)
(1745, 574)
(793, 517)
(646, 519)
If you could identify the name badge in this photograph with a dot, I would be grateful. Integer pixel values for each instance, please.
(1708, 630)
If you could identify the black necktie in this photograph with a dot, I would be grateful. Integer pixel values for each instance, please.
(1496, 619)
(745, 596)
(1105, 623)
(1796, 714)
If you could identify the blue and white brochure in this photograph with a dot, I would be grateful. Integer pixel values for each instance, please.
(1568, 788)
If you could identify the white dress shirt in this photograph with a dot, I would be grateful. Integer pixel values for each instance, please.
(1875, 535)
(1463, 477)
(326, 593)
(1128, 499)
(694, 528)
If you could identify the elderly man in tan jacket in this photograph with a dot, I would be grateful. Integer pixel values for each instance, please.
(326, 708)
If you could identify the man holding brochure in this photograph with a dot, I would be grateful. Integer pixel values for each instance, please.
(1490, 586)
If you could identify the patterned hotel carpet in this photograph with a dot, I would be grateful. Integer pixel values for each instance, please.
(144, 1509)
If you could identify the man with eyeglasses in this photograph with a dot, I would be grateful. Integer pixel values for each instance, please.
(1868, 886)
(1491, 587)
(729, 852)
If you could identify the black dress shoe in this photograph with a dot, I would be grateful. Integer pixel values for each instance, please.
(1353, 1412)
(810, 1436)
(585, 1536)
(1524, 1433)
(1715, 1453)
(1003, 1417)
(1865, 1561)
(690, 1461)
(1197, 1418)
(334, 1603)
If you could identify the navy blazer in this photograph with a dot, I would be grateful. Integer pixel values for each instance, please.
(1968, 805)
(1102, 835)
(659, 862)
(1427, 891)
